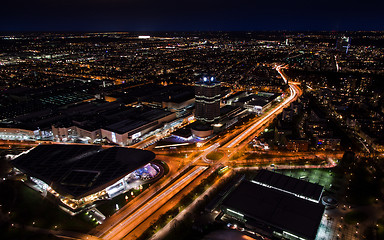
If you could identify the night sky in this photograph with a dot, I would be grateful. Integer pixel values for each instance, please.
(198, 15)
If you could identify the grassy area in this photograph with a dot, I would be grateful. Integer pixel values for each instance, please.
(364, 187)
(214, 156)
(375, 231)
(380, 228)
(236, 156)
(380, 232)
(324, 177)
(21, 234)
(355, 217)
(27, 206)
(108, 207)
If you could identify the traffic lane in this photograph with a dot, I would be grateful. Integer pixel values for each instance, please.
(168, 206)
(292, 97)
(133, 204)
(129, 223)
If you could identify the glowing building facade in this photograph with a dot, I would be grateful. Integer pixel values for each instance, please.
(207, 94)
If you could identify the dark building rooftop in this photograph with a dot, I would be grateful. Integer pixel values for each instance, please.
(258, 102)
(277, 209)
(290, 184)
(125, 126)
(182, 132)
(253, 98)
(153, 114)
(228, 109)
(181, 97)
(232, 97)
(78, 171)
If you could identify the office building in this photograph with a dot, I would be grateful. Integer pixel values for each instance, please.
(208, 94)
(343, 44)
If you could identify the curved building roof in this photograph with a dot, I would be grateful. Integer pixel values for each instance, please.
(77, 171)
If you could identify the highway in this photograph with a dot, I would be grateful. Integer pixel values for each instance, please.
(123, 227)
(266, 118)
(171, 203)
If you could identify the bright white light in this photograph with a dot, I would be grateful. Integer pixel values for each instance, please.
(114, 137)
(205, 79)
(234, 212)
(144, 37)
(212, 78)
(136, 135)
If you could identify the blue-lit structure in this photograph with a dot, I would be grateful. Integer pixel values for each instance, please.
(343, 44)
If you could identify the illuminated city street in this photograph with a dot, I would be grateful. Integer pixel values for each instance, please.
(145, 133)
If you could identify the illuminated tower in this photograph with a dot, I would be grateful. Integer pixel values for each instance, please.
(207, 94)
(343, 44)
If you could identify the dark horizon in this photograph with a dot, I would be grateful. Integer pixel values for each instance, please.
(184, 31)
(242, 15)
(19, 30)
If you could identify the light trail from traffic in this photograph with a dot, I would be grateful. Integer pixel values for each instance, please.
(115, 233)
(237, 140)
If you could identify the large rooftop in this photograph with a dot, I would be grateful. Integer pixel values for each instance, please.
(290, 184)
(275, 208)
(79, 170)
(126, 125)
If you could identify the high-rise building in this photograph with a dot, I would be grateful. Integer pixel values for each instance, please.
(207, 93)
(343, 44)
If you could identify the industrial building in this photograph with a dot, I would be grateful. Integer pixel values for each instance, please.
(276, 206)
(129, 131)
(254, 102)
(72, 112)
(121, 125)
